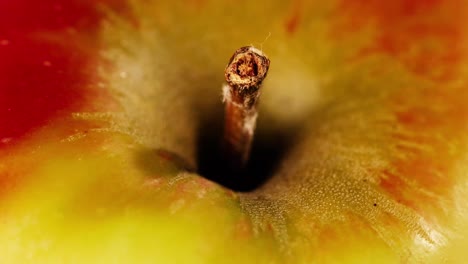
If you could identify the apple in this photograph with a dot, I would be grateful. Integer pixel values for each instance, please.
(106, 108)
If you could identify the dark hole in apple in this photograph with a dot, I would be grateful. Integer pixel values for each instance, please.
(268, 149)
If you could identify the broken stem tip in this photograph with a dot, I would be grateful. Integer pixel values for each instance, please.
(244, 75)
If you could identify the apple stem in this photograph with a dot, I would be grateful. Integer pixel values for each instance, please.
(244, 75)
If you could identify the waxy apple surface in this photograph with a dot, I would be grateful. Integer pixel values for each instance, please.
(102, 103)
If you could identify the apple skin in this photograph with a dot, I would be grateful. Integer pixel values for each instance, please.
(101, 100)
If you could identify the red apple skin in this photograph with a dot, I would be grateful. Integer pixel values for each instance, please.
(101, 100)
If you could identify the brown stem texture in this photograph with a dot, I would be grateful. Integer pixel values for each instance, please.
(244, 75)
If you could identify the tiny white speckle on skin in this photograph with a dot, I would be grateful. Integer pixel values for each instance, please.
(4, 42)
(47, 63)
(153, 182)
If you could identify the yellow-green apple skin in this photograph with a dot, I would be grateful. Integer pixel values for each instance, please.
(102, 104)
